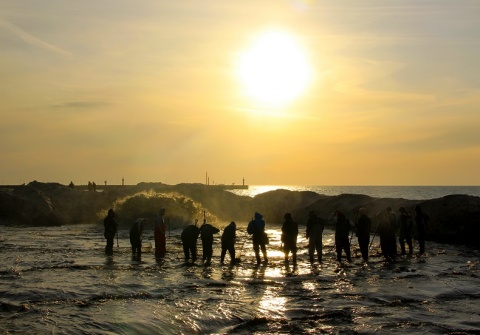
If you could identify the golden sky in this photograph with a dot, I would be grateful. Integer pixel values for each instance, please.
(157, 91)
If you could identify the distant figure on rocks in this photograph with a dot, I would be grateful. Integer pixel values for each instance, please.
(206, 235)
(189, 241)
(289, 238)
(160, 234)
(256, 228)
(363, 225)
(71, 185)
(228, 242)
(136, 232)
(342, 229)
(94, 187)
(110, 229)
(315, 226)
(405, 234)
(421, 221)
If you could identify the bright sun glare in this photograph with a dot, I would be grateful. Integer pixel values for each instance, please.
(274, 69)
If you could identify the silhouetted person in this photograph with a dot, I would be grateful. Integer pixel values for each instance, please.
(110, 229)
(315, 226)
(392, 238)
(256, 228)
(421, 221)
(160, 234)
(136, 232)
(342, 229)
(94, 187)
(71, 185)
(289, 237)
(228, 242)
(206, 235)
(363, 225)
(385, 232)
(405, 233)
(189, 241)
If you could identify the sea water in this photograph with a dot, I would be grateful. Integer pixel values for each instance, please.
(57, 280)
(405, 192)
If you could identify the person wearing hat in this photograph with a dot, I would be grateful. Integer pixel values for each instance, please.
(110, 229)
(315, 226)
(160, 234)
(289, 238)
(136, 232)
(363, 225)
(228, 242)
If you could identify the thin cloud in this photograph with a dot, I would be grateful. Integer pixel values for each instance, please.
(81, 104)
(33, 40)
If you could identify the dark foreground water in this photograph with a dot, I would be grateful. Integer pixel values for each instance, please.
(58, 281)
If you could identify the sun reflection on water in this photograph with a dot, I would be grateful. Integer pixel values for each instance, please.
(272, 305)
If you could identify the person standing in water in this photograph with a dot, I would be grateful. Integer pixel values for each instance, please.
(136, 232)
(189, 238)
(160, 234)
(289, 238)
(315, 226)
(206, 235)
(256, 228)
(392, 237)
(364, 224)
(342, 229)
(421, 221)
(405, 234)
(110, 230)
(228, 242)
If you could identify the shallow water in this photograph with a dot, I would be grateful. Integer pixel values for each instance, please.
(58, 281)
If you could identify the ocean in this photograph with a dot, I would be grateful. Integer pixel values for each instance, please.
(57, 280)
(405, 192)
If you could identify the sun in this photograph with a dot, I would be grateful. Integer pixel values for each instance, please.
(274, 70)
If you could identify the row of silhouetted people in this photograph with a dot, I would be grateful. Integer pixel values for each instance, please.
(389, 226)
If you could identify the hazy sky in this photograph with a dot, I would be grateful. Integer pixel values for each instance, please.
(150, 90)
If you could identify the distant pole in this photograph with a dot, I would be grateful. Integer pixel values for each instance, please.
(243, 181)
(206, 178)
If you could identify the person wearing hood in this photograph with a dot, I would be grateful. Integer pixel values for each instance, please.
(110, 229)
(256, 228)
(315, 226)
(206, 235)
(289, 238)
(342, 229)
(136, 232)
(363, 225)
(160, 234)
(228, 242)
(189, 238)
